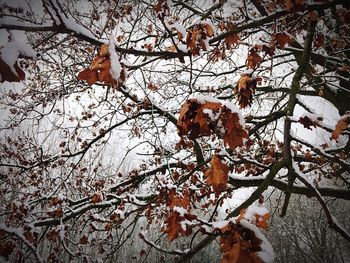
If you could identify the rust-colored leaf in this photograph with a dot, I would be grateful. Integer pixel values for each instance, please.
(55, 201)
(239, 245)
(100, 68)
(6, 248)
(96, 198)
(319, 40)
(177, 200)
(104, 52)
(244, 90)
(261, 220)
(234, 132)
(253, 59)
(161, 8)
(84, 240)
(282, 39)
(241, 214)
(230, 247)
(201, 119)
(232, 39)
(209, 31)
(152, 86)
(96, 62)
(187, 113)
(217, 174)
(104, 74)
(173, 226)
(195, 38)
(30, 236)
(20, 73)
(193, 121)
(340, 127)
(192, 40)
(90, 76)
(268, 49)
(58, 212)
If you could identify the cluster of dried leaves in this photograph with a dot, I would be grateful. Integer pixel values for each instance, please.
(100, 70)
(196, 37)
(232, 39)
(239, 245)
(203, 119)
(217, 174)
(307, 122)
(244, 90)
(174, 226)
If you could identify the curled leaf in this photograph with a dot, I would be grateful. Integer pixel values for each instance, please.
(199, 119)
(173, 226)
(340, 127)
(244, 90)
(217, 175)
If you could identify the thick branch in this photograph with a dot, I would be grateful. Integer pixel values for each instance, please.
(290, 109)
(295, 189)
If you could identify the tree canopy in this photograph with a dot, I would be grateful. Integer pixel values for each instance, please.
(144, 120)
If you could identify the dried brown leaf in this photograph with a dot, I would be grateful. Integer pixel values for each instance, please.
(234, 132)
(217, 174)
(340, 127)
(88, 75)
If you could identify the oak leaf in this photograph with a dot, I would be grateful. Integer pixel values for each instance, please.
(234, 133)
(319, 40)
(261, 220)
(152, 86)
(84, 240)
(57, 213)
(195, 38)
(282, 39)
(199, 119)
(180, 201)
(230, 247)
(55, 201)
(239, 245)
(269, 50)
(340, 127)
(6, 248)
(307, 122)
(89, 75)
(104, 52)
(173, 226)
(104, 74)
(209, 31)
(185, 122)
(244, 90)
(217, 174)
(253, 59)
(193, 120)
(100, 69)
(96, 198)
(232, 39)
(161, 8)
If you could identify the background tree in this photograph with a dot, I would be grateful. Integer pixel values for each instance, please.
(304, 236)
(143, 120)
